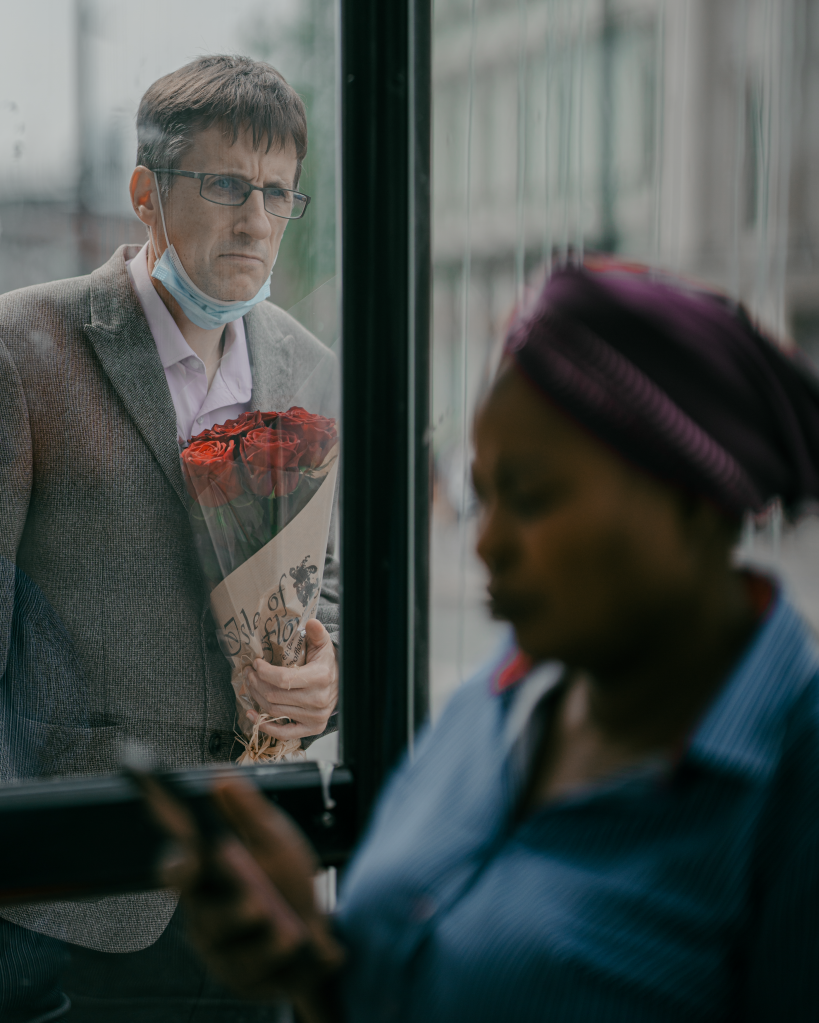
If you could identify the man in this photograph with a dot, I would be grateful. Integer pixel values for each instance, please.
(99, 377)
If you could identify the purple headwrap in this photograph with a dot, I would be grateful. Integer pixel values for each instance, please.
(678, 381)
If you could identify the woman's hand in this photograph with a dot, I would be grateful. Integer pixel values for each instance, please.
(249, 899)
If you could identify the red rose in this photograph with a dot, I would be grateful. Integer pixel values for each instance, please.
(204, 435)
(231, 428)
(210, 471)
(237, 427)
(318, 433)
(271, 458)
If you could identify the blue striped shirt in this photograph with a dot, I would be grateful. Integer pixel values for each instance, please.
(667, 893)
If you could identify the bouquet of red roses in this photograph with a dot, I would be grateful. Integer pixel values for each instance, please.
(262, 487)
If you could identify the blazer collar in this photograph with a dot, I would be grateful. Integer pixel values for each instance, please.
(120, 336)
(269, 366)
(287, 371)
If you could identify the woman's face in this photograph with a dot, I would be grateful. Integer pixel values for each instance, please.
(589, 559)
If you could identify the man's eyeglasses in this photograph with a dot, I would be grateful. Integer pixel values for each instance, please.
(225, 190)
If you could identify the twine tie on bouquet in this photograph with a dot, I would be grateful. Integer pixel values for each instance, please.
(262, 748)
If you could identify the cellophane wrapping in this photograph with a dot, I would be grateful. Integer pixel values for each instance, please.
(262, 489)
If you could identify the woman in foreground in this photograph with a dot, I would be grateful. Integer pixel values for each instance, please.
(619, 820)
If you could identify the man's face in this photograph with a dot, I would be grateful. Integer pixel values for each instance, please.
(227, 251)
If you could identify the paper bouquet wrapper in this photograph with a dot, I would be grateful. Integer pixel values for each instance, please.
(261, 608)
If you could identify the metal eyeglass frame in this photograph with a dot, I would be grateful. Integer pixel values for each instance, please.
(201, 175)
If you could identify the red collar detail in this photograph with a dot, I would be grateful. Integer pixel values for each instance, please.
(760, 592)
(513, 670)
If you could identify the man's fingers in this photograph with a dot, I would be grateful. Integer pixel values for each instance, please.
(302, 677)
(278, 702)
(307, 694)
(294, 711)
(295, 730)
(294, 724)
(320, 662)
(318, 640)
(322, 695)
(265, 674)
(309, 711)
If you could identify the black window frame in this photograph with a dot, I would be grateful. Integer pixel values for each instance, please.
(105, 841)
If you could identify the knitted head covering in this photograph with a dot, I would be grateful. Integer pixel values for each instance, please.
(678, 381)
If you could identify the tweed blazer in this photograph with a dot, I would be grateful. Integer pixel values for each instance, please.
(93, 508)
(38, 669)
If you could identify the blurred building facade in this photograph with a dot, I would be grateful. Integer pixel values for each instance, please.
(683, 133)
(679, 132)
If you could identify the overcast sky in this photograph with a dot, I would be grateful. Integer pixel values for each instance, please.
(131, 45)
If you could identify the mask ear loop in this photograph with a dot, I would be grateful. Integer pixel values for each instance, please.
(162, 214)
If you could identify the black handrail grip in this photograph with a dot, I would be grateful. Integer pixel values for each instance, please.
(90, 836)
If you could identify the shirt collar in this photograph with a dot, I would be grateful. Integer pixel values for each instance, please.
(235, 365)
(172, 346)
(526, 696)
(743, 730)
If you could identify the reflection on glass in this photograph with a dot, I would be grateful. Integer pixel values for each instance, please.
(156, 329)
(662, 130)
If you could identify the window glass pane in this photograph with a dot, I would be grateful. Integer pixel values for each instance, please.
(669, 132)
(137, 585)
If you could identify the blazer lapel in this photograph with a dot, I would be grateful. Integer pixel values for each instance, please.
(125, 347)
(269, 369)
(287, 370)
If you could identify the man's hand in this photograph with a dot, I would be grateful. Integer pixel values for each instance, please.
(307, 695)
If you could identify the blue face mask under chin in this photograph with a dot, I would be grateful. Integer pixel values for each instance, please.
(206, 312)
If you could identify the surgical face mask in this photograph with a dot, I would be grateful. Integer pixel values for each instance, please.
(206, 312)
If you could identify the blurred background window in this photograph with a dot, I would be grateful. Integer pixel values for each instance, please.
(683, 133)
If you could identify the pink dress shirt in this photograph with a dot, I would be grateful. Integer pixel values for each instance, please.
(197, 408)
